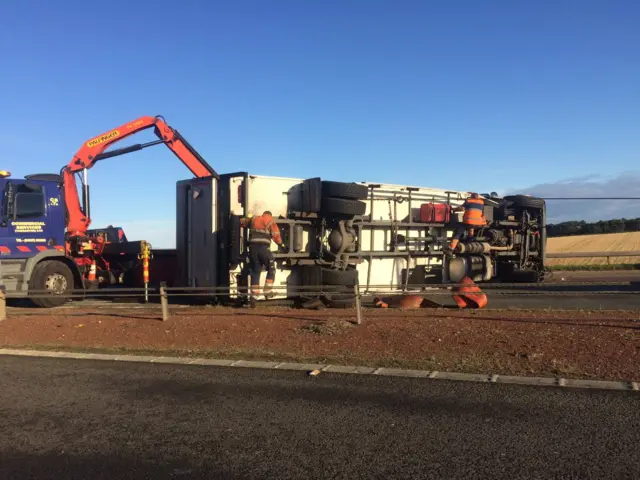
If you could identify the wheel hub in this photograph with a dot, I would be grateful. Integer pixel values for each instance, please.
(56, 282)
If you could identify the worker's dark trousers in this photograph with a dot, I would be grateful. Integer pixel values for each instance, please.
(260, 256)
(459, 231)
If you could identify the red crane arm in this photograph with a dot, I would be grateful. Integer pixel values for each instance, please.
(94, 150)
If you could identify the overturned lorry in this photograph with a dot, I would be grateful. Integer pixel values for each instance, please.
(380, 236)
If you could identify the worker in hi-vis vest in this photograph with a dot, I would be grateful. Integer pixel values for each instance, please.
(262, 229)
(472, 218)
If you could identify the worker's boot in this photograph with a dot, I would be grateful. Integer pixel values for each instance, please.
(253, 294)
(450, 249)
(268, 289)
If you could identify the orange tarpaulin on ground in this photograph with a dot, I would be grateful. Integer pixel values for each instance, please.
(469, 295)
(405, 301)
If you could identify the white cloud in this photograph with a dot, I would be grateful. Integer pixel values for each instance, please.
(624, 185)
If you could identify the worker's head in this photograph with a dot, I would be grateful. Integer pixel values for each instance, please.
(474, 195)
(267, 213)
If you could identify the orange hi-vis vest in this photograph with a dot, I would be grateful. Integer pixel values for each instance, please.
(474, 212)
(262, 230)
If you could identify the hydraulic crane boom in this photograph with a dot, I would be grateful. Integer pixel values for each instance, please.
(94, 150)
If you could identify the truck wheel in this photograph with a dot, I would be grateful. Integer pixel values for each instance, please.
(345, 190)
(339, 301)
(342, 206)
(339, 277)
(525, 276)
(524, 201)
(51, 276)
(234, 241)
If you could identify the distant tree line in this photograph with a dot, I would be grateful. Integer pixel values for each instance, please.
(581, 227)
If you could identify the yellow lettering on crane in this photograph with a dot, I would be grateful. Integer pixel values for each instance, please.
(103, 138)
(135, 124)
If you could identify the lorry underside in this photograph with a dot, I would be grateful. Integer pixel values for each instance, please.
(337, 234)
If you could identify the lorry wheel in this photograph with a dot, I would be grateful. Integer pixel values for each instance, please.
(51, 276)
(339, 301)
(343, 206)
(311, 195)
(235, 241)
(524, 201)
(337, 296)
(525, 276)
(339, 277)
(345, 190)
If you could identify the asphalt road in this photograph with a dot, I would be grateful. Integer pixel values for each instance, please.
(69, 419)
(595, 276)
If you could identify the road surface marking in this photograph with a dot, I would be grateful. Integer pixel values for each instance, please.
(291, 366)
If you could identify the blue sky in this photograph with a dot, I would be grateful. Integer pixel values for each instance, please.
(494, 95)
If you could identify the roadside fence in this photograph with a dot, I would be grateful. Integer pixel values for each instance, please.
(607, 255)
(350, 296)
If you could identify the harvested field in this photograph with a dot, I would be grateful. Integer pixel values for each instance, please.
(573, 344)
(609, 242)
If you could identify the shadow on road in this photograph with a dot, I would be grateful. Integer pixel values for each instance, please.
(329, 391)
(22, 466)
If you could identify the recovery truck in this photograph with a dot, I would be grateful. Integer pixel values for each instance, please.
(337, 234)
(45, 241)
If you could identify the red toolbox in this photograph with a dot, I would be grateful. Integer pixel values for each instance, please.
(435, 213)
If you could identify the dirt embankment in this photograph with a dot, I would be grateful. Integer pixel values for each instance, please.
(568, 343)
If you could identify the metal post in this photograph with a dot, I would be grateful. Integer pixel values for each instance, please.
(3, 304)
(164, 301)
(356, 291)
(3, 298)
(145, 256)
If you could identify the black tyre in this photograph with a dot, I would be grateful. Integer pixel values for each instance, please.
(524, 201)
(234, 241)
(51, 276)
(525, 276)
(342, 206)
(341, 301)
(339, 277)
(338, 296)
(312, 195)
(351, 191)
(310, 280)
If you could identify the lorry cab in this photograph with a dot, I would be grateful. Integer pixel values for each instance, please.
(32, 242)
(32, 215)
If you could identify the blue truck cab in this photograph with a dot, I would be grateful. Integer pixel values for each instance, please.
(32, 238)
